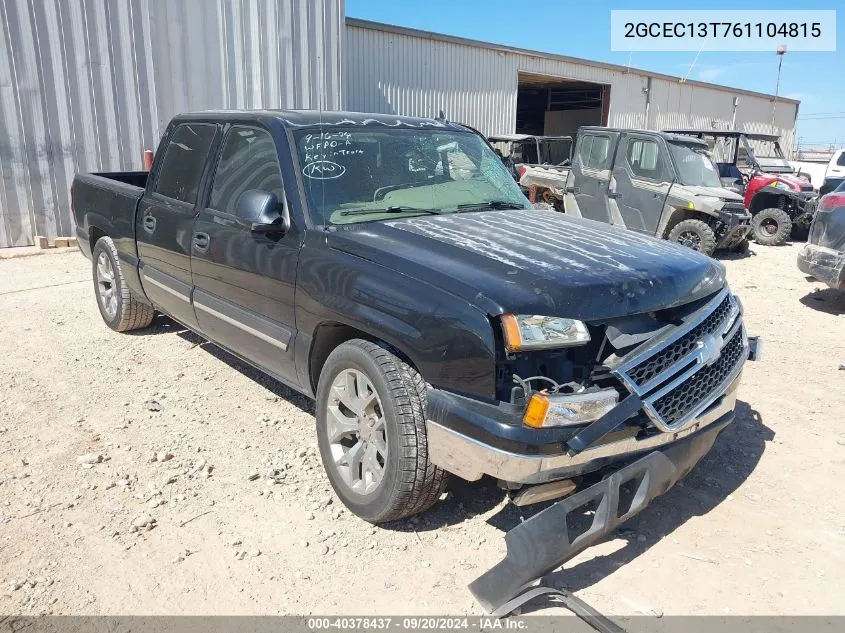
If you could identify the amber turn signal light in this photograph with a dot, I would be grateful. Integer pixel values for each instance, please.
(536, 411)
(513, 337)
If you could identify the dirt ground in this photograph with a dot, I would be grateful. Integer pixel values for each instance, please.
(223, 460)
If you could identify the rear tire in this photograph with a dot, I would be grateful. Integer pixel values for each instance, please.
(120, 309)
(369, 398)
(771, 227)
(694, 234)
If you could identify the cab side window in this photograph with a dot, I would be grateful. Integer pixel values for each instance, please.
(644, 159)
(181, 169)
(248, 161)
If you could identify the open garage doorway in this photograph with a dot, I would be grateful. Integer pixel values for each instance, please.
(554, 106)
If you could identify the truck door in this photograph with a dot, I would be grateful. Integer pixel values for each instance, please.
(589, 176)
(244, 281)
(642, 176)
(166, 216)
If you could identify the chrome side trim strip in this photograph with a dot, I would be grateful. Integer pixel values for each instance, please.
(282, 345)
(158, 284)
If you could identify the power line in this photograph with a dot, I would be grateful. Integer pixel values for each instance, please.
(815, 113)
(820, 118)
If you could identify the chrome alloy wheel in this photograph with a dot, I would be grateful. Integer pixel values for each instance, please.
(356, 431)
(106, 286)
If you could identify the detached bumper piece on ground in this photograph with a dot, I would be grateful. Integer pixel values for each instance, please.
(549, 539)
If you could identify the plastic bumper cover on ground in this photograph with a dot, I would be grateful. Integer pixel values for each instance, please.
(825, 264)
(543, 542)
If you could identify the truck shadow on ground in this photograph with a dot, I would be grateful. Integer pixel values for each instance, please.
(165, 325)
(827, 300)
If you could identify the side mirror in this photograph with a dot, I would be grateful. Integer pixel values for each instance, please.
(262, 212)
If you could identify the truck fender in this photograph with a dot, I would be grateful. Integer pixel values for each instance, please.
(97, 226)
(449, 341)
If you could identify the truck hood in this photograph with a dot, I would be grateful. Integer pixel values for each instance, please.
(536, 262)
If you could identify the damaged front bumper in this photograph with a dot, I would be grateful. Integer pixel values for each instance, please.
(545, 541)
(471, 457)
(682, 393)
(825, 264)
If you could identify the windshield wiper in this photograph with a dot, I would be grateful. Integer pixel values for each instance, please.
(489, 204)
(395, 209)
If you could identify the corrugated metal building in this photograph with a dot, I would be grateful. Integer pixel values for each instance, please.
(87, 85)
(500, 89)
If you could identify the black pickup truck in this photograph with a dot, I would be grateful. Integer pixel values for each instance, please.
(390, 268)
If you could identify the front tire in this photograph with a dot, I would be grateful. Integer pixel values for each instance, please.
(372, 435)
(771, 227)
(120, 309)
(694, 234)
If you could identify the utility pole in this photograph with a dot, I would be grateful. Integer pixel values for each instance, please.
(781, 52)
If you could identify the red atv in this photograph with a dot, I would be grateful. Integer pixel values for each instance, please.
(753, 165)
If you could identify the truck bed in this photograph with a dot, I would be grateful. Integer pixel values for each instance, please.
(106, 201)
(551, 176)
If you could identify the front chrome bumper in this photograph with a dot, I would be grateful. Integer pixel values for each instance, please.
(470, 459)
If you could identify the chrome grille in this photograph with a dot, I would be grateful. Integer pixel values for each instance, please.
(680, 375)
(675, 405)
(646, 372)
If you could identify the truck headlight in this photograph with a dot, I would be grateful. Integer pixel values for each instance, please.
(545, 410)
(533, 331)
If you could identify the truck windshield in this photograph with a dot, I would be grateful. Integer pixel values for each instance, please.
(693, 165)
(361, 174)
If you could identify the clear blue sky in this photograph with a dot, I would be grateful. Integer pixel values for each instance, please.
(582, 29)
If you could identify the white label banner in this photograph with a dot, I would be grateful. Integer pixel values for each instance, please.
(714, 30)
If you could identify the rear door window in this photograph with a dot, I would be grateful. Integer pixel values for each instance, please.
(248, 161)
(181, 169)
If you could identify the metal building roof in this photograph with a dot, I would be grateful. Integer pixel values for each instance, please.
(391, 28)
